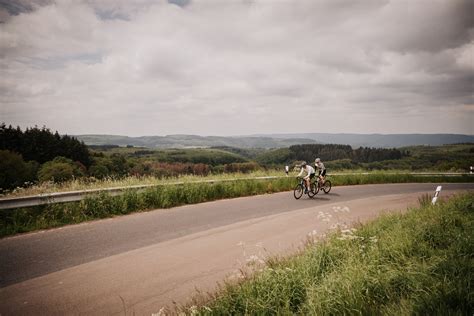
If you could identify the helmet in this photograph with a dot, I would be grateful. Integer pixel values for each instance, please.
(317, 160)
(303, 164)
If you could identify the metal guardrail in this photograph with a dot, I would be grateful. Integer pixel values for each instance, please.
(73, 196)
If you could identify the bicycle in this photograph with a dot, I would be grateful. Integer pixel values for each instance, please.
(301, 188)
(326, 187)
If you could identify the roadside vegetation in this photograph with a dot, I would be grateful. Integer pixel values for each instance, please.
(416, 263)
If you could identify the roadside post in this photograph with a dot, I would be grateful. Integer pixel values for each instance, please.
(288, 169)
(435, 198)
(472, 170)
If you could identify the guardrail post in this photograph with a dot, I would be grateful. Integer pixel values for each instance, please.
(435, 197)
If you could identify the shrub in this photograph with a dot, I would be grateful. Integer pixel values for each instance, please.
(60, 169)
(14, 171)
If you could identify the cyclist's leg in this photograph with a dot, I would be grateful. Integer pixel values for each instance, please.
(311, 176)
(323, 177)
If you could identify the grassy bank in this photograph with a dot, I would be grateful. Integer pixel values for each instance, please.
(417, 263)
(169, 195)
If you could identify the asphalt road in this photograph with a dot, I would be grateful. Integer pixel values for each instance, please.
(37, 260)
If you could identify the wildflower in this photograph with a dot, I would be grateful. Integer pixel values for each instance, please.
(373, 239)
(193, 310)
(161, 312)
(254, 259)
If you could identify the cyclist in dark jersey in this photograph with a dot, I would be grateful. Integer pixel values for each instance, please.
(318, 164)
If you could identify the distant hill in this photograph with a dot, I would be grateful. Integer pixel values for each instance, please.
(193, 141)
(278, 140)
(381, 140)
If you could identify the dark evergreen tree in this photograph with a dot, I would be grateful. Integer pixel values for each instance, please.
(41, 145)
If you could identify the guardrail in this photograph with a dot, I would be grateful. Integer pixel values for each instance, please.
(73, 196)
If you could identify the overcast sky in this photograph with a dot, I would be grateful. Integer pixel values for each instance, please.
(239, 67)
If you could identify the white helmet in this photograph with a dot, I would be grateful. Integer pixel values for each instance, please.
(317, 160)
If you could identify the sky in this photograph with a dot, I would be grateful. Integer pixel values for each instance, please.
(237, 67)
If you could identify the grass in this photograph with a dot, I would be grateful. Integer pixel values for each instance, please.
(417, 263)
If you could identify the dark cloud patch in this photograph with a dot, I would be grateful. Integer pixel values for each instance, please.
(181, 3)
(15, 7)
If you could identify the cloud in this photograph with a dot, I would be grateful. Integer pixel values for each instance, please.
(241, 67)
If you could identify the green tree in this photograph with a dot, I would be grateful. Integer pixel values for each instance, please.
(14, 171)
(60, 169)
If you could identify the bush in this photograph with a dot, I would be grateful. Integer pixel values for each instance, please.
(14, 171)
(99, 171)
(60, 169)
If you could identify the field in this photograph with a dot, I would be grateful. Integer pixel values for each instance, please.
(417, 263)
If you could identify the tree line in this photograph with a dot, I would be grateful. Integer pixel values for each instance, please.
(328, 152)
(41, 145)
(38, 154)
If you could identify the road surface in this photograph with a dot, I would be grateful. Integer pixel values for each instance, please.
(142, 262)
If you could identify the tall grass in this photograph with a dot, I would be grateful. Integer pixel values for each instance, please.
(420, 263)
(92, 183)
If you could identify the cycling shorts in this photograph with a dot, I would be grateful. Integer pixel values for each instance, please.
(322, 173)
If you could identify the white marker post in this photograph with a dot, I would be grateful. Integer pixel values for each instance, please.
(287, 169)
(435, 198)
(472, 169)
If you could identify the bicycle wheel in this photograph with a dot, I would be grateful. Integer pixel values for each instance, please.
(313, 190)
(298, 191)
(327, 186)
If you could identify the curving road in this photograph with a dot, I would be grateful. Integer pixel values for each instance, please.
(142, 262)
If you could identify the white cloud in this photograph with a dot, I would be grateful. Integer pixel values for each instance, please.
(241, 67)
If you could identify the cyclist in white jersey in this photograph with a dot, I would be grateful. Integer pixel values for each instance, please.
(310, 173)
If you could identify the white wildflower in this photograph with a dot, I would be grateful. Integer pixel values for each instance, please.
(193, 310)
(254, 259)
(161, 312)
